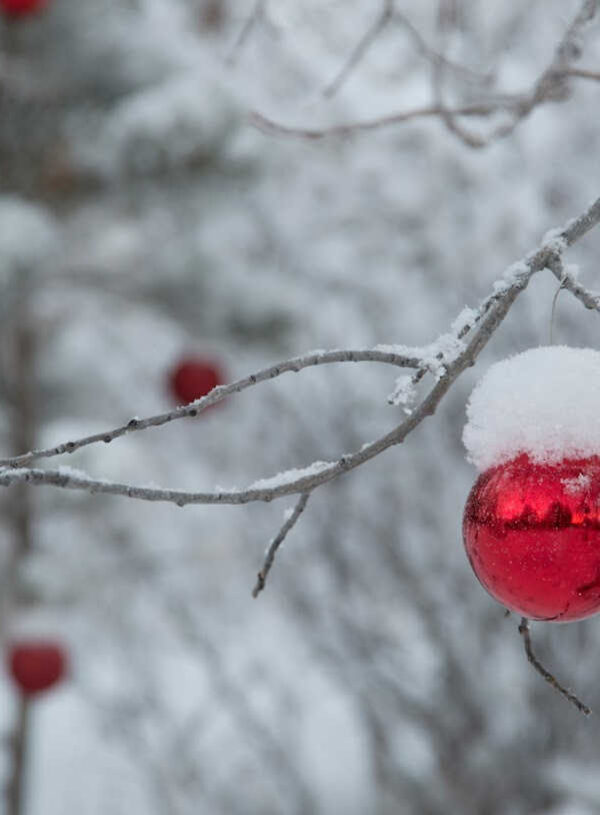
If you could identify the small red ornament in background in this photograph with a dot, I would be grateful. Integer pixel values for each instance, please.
(21, 8)
(36, 665)
(194, 377)
(532, 536)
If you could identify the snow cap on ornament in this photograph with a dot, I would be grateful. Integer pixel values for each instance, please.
(544, 402)
(531, 525)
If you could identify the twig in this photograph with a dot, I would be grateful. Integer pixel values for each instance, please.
(426, 112)
(544, 673)
(583, 73)
(553, 309)
(233, 694)
(276, 543)
(361, 48)
(437, 81)
(434, 56)
(245, 31)
(588, 298)
(217, 395)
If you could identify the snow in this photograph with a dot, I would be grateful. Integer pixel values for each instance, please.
(435, 356)
(514, 271)
(404, 393)
(288, 476)
(467, 317)
(166, 124)
(575, 485)
(553, 240)
(544, 402)
(27, 233)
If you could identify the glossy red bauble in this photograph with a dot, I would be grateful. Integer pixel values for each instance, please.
(193, 378)
(532, 536)
(21, 8)
(36, 665)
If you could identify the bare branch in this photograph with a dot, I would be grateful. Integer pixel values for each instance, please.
(217, 395)
(426, 112)
(544, 673)
(434, 56)
(583, 73)
(276, 543)
(550, 86)
(361, 49)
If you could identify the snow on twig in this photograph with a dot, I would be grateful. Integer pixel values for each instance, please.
(568, 280)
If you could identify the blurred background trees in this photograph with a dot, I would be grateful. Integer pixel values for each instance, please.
(144, 221)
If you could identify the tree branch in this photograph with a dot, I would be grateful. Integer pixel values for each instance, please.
(361, 48)
(218, 394)
(425, 112)
(567, 281)
(549, 86)
(452, 363)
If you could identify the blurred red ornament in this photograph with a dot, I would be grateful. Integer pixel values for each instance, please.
(37, 665)
(194, 377)
(21, 8)
(212, 14)
(532, 536)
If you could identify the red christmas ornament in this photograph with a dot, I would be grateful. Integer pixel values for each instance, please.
(37, 665)
(532, 536)
(193, 378)
(21, 8)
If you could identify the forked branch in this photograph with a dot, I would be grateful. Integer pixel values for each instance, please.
(550, 86)
(445, 360)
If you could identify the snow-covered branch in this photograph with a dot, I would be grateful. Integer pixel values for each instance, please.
(448, 361)
(396, 357)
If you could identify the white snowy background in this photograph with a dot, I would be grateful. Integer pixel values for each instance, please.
(373, 675)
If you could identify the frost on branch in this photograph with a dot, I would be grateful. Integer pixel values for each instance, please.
(404, 393)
